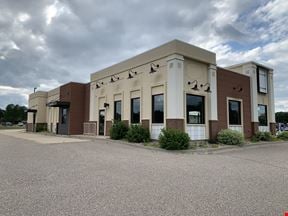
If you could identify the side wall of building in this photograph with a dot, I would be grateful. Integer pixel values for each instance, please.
(74, 93)
(37, 101)
(232, 86)
(53, 112)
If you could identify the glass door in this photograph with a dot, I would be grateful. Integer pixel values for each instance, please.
(101, 122)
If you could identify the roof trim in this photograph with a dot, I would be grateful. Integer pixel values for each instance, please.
(249, 62)
(165, 50)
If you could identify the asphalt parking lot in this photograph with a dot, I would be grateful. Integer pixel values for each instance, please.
(105, 178)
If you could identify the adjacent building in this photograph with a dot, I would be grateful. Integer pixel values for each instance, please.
(176, 85)
(62, 110)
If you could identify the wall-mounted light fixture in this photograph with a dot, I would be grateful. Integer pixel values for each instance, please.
(98, 84)
(114, 78)
(153, 67)
(208, 87)
(195, 87)
(238, 88)
(106, 105)
(131, 74)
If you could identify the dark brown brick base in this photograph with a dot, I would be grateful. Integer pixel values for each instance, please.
(145, 123)
(29, 127)
(175, 124)
(213, 130)
(90, 128)
(108, 127)
(273, 128)
(254, 127)
(126, 122)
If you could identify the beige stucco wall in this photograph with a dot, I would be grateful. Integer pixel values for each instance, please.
(194, 70)
(37, 101)
(196, 62)
(165, 50)
(124, 89)
(53, 112)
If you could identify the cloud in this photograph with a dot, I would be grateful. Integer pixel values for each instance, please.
(50, 42)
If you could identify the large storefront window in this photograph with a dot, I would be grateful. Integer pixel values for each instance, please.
(117, 110)
(195, 110)
(157, 109)
(234, 112)
(135, 110)
(262, 115)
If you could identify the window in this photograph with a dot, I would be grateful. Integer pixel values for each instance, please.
(64, 115)
(195, 110)
(117, 110)
(262, 81)
(157, 108)
(234, 112)
(262, 115)
(135, 110)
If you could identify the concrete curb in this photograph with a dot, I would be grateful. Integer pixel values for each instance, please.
(208, 150)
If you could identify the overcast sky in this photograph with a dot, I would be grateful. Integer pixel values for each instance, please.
(45, 43)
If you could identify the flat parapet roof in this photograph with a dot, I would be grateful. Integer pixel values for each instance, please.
(38, 94)
(249, 62)
(165, 50)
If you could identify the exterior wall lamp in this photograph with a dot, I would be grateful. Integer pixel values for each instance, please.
(131, 74)
(208, 87)
(238, 88)
(195, 87)
(153, 67)
(106, 105)
(98, 85)
(114, 78)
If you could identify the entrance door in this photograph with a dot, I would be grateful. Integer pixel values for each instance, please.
(101, 122)
(63, 121)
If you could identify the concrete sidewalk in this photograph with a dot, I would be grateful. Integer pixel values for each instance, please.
(39, 138)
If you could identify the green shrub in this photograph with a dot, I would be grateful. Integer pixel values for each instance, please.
(230, 137)
(283, 135)
(137, 134)
(118, 130)
(172, 139)
(262, 136)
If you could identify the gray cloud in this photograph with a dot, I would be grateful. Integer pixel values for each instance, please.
(84, 36)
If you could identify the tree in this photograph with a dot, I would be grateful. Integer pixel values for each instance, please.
(1, 114)
(281, 117)
(15, 113)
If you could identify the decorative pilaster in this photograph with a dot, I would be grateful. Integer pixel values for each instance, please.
(212, 79)
(175, 87)
(251, 69)
(271, 97)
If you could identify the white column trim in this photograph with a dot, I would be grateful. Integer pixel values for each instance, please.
(175, 87)
(271, 97)
(213, 104)
(252, 70)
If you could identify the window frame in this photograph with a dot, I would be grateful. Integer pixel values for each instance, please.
(262, 72)
(64, 118)
(266, 115)
(115, 110)
(241, 111)
(203, 110)
(153, 111)
(131, 110)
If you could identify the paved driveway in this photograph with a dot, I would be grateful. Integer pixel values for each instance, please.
(103, 178)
